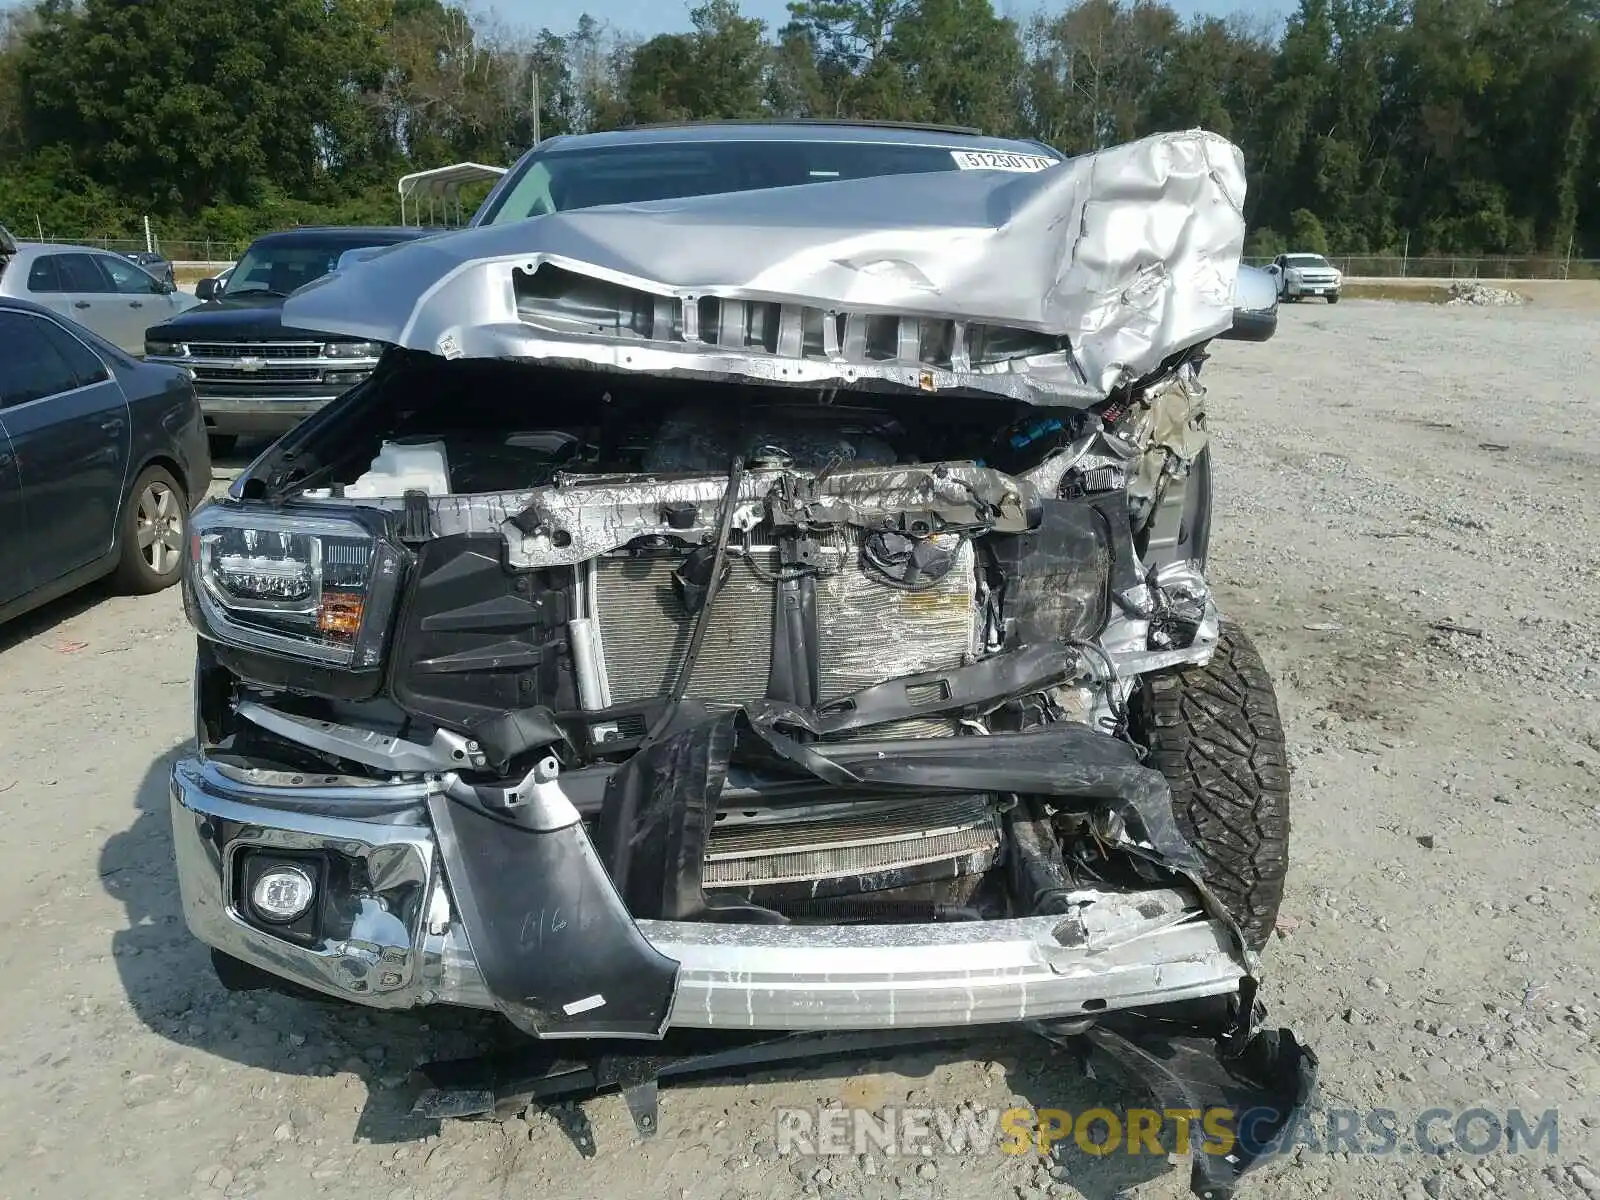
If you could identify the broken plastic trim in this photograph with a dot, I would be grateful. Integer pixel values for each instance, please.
(559, 953)
(1266, 1078)
(660, 805)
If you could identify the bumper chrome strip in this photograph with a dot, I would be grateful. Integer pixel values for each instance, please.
(1111, 951)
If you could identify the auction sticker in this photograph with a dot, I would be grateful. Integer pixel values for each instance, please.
(999, 160)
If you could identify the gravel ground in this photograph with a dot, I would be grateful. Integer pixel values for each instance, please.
(1405, 523)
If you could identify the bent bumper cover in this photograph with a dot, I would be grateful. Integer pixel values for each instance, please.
(402, 942)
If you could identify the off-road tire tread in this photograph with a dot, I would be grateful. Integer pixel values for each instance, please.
(1214, 732)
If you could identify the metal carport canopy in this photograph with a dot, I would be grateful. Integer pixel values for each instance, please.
(441, 186)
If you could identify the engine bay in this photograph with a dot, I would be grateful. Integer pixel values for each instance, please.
(511, 427)
(599, 566)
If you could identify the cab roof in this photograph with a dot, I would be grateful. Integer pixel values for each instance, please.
(342, 235)
(892, 133)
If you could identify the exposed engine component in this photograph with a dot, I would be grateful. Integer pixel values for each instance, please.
(856, 559)
(808, 438)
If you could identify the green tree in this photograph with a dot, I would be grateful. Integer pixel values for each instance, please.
(14, 29)
(1214, 76)
(960, 62)
(853, 77)
(1306, 234)
(1461, 126)
(1091, 69)
(720, 70)
(175, 103)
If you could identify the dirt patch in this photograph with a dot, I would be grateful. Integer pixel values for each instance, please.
(1456, 292)
(1409, 292)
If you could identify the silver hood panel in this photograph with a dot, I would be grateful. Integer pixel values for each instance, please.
(1131, 254)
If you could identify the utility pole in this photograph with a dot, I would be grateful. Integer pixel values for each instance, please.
(534, 71)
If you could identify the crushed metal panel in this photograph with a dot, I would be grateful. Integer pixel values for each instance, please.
(1131, 254)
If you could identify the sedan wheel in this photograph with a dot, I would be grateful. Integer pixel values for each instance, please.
(155, 530)
(160, 524)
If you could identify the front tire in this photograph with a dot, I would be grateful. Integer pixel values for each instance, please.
(153, 534)
(1215, 733)
(1333, 298)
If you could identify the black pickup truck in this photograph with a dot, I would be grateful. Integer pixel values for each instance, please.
(253, 375)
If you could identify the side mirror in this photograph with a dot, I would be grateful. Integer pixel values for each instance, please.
(168, 287)
(205, 290)
(1255, 306)
(1274, 269)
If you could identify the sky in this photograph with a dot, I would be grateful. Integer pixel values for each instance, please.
(650, 17)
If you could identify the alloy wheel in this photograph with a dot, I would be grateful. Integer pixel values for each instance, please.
(160, 525)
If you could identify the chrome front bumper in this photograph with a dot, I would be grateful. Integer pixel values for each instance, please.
(407, 947)
(252, 415)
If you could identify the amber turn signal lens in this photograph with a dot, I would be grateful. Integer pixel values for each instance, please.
(339, 614)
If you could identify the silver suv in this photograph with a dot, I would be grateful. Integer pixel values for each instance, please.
(112, 296)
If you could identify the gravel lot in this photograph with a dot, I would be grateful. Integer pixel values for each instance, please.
(1405, 522)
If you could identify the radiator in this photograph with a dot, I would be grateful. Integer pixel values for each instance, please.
(645, 631)
(867, 632)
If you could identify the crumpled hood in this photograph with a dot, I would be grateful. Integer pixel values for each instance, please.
(1131, 254)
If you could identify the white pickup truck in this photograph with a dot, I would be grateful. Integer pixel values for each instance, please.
(1301, 275)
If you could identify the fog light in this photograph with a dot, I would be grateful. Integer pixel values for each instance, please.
(281, 894)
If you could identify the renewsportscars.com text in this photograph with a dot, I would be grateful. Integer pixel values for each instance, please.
(918, 1132)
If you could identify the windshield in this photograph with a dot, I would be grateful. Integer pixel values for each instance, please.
(586, 178)
(1305, 260)
(278, 268)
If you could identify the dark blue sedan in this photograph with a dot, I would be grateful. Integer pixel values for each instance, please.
(101, 459)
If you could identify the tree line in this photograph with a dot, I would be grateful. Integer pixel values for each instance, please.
(1368, 126)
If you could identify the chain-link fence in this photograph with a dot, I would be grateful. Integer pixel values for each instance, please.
(1363, 266)
(201, 250)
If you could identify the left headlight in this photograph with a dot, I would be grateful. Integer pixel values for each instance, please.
(320, 588)
(166, 349)
(352, 350)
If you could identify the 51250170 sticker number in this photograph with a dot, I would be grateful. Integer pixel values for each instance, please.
(999, 160)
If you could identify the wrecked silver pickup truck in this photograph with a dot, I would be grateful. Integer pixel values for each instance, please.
(764, 612)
